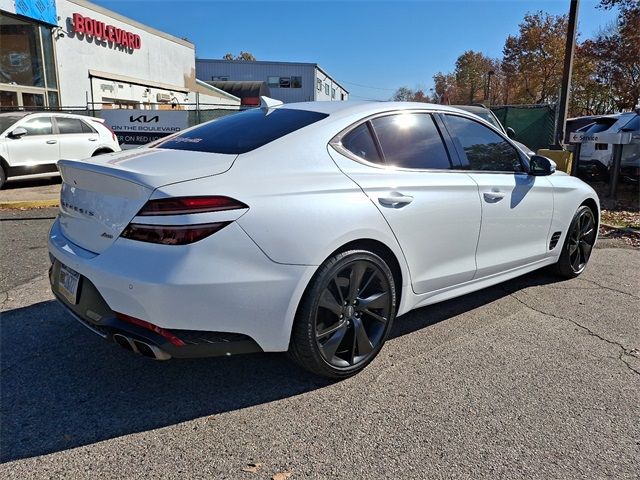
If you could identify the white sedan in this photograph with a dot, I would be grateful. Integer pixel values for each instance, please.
(306, 228)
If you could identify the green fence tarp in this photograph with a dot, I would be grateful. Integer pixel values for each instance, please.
(533, 124)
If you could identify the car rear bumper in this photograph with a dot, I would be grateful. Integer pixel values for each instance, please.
(92, 311)
(220, 288)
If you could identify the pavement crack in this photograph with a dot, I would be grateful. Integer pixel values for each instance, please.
(624, 352)
(611, 288)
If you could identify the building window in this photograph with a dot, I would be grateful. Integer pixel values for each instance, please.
(326, 89)
(319, 84)
(333, 93)
(285, 82)
(296, 82)
(342, 96)
(27, 60)
(273, 82)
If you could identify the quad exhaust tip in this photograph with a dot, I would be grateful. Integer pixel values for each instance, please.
(138, 346)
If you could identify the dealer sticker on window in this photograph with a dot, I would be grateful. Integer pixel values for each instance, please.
(68, 283)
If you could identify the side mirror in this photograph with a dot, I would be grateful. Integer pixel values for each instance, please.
(511, 133)
(541, 166)
(18, 132)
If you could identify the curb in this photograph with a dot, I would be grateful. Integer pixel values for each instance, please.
(621, 229)
(51, 203)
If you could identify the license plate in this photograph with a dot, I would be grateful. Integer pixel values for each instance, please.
(68, 280)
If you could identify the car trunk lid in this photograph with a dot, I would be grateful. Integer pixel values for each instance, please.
(101, 196)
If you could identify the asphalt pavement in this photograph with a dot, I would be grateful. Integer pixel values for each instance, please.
(534, 378)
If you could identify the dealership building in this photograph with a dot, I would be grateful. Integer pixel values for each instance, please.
(75, 54)
(287, 81)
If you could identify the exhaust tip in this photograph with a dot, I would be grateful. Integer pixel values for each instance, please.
(144, 349)
(138, 346)
(123, 342)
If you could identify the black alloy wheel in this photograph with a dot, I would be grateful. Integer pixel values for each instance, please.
(345, 316)
(579, 244)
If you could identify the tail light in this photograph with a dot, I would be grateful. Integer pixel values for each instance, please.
(185, 205)
(150, 326)
(171, 234)
(113, 134)
(180, 234)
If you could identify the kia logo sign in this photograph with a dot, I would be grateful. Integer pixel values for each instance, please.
(144, 119)
(94, 28)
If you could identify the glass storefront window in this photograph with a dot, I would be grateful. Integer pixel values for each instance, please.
(20, 53)
(49, 59)
(8, 99)
(53, 99)
(32, 99)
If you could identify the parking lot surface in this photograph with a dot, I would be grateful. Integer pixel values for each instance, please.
(533, 378)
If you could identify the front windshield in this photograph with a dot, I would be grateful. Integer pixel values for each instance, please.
(488, 116)
(7, 121)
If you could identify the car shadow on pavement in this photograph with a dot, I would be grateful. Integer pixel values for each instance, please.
(62, 387)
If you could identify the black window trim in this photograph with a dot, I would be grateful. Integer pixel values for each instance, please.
(336, 143)
(524, 162)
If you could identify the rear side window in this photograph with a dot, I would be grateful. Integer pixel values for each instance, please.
(411, 140)
(38, 126)
(359, 142)
(242, 132)
(483, 148)
(69, 125)
(87, 128)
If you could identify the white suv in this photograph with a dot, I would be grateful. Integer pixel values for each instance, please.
(31, 143)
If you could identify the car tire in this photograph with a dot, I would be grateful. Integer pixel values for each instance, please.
(345, 315)
(3, 176)
(578, 244)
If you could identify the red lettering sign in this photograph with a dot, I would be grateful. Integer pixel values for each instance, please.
(94, 28)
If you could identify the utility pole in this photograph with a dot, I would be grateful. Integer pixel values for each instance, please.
(569, 48)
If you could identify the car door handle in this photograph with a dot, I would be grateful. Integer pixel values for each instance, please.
(93, 139)
(493, 197)
(51, 142)
(395, 200)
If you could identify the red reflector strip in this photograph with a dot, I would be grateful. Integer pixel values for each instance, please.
(150, 326)
(184, 205)
(171, 234)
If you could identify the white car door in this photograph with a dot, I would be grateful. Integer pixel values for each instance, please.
(517, 208)
(77, 139)
(402, 164)
(35, 152)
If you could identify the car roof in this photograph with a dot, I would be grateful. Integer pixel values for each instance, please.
(472, 108)
(21, 113)
(346, 108)
(15, 114)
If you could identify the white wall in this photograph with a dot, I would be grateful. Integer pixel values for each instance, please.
(326, 80)
(160, 59)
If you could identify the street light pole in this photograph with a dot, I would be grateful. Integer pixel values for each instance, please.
(569, 48)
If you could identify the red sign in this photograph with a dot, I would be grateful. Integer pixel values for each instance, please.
(109, 33)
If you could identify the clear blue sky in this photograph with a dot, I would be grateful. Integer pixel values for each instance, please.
(361, 43)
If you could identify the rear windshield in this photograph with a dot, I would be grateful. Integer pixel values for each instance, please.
(599, 125)
(242, 132)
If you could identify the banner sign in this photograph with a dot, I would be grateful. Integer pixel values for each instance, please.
(41, 10)
(139, 127)
(621, 138)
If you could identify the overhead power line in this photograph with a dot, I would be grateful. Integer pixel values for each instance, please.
(368, 86)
